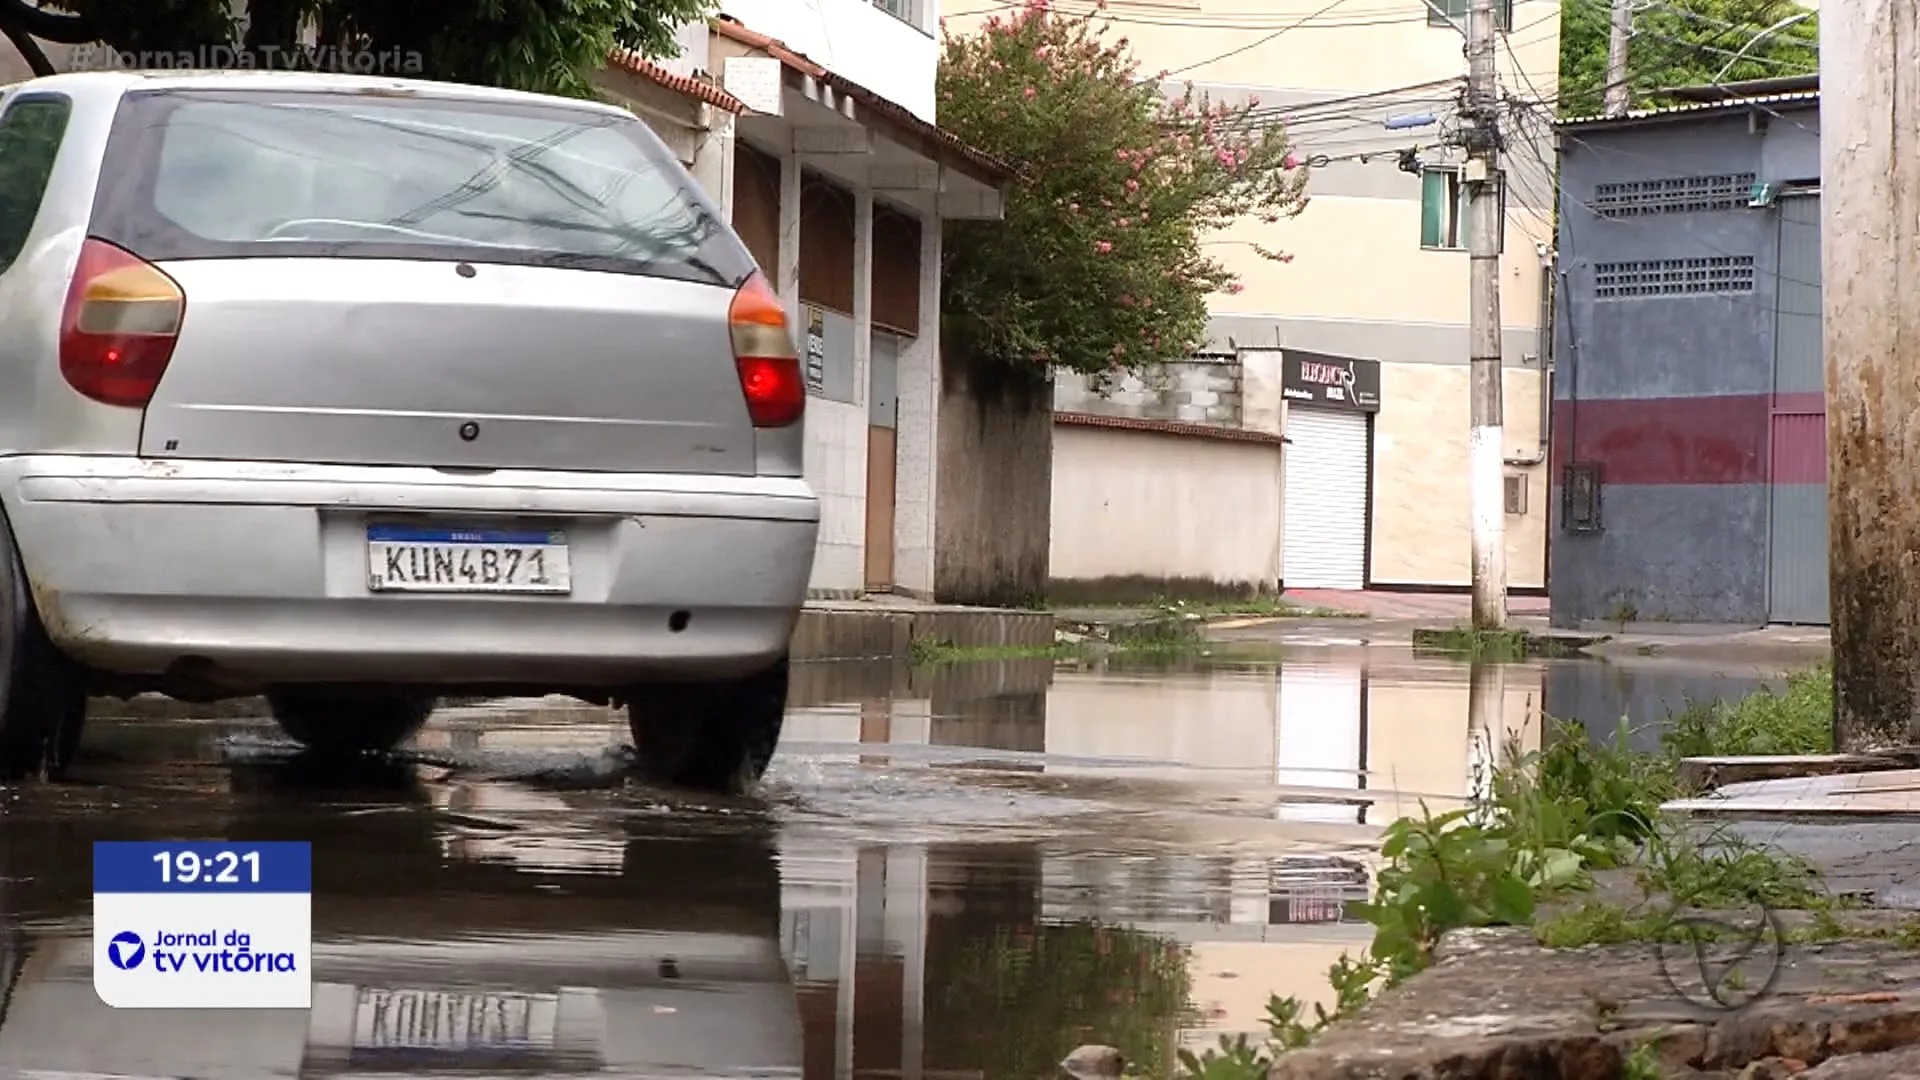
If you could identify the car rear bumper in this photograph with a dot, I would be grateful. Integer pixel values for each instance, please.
(258, 572)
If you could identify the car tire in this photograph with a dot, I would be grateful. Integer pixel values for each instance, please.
(43, 696)
(716, 737)
(343, 722)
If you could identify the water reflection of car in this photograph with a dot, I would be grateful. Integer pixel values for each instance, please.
(432, 967)
(530, 420)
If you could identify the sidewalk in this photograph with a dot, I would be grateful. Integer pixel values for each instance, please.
(883, 626)
(1380, 604)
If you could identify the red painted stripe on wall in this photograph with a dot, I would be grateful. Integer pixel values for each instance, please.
(1799, 447)
(1732, 439)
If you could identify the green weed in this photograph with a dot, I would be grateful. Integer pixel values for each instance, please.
(1795, 720)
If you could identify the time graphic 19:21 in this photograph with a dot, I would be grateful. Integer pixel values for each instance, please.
(222, 868)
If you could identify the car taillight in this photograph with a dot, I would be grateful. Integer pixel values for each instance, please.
(120, 323)
(763, 351)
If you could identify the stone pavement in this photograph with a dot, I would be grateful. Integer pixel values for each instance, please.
(1498, 1006)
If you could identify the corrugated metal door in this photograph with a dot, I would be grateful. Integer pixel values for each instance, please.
(1797, 443)
(1325, 544)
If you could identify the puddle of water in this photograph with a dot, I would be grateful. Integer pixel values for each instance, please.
(968, 871)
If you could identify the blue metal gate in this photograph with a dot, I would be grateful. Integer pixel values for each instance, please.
(1797, 439)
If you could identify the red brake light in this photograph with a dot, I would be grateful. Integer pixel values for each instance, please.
(119, 326)
(763, 352)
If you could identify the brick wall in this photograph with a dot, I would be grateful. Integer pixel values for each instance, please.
(1204, 390)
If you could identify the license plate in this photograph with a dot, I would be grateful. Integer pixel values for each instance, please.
(407, 558)
(450, 1021)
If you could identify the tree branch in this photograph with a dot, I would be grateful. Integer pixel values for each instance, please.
(46, 25)
(30, 49)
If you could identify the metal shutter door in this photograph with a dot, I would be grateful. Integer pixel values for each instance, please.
(1325, 546)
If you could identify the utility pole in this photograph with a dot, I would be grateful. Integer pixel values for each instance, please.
(1870, 257)
(1619, 98)
(1487, 440)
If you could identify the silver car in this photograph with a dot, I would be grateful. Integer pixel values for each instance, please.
(357, 392)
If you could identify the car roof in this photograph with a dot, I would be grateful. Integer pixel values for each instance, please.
(89, 83)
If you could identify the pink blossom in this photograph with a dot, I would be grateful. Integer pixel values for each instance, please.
(1132, 184)
(1233, 288)
(1102, 246)
(1291, 162)
(1124, 223)
(1030, 93)
(1253, 102)
(1074, 206)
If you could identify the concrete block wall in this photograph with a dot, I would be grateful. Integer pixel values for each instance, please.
(1203, 390)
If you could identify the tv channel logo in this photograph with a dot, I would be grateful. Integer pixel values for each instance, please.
(203, 925)
(125, 951)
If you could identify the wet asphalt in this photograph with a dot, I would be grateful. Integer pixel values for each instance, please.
(960, 872)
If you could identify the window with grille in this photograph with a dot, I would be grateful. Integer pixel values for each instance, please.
(1446, 210)
(1674, 277)
(1454, 13)
(907, 11)
(1580, 497)
(1673, 195)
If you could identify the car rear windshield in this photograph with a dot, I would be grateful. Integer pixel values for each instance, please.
(195, 174)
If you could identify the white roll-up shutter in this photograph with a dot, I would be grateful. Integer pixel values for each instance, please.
(1325, 546)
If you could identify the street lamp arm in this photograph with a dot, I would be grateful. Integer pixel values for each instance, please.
(1758, 38)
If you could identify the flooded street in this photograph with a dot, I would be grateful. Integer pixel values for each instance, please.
(964, 871)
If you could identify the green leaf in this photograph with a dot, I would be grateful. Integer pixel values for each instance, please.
(1512, 902)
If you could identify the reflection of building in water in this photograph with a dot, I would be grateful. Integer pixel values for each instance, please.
(986, 961)
(1320, 741)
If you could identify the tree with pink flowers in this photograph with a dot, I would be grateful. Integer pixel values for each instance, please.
(1101, 262)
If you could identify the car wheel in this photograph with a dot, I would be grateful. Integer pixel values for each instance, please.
(43, 697)
(344, 722)
(711, 736)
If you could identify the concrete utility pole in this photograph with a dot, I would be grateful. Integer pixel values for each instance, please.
(1487, 441)
(1619, 99)
(1870, 257)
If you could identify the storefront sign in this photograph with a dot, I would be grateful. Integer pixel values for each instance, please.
(816, 351)
(1339, 382)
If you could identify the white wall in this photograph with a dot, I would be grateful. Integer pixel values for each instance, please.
(1133, 503)
(857, 41)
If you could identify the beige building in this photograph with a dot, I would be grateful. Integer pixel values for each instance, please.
(1371, 494)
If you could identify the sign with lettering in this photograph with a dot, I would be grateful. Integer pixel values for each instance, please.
(816, 351)
(1339, 382)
